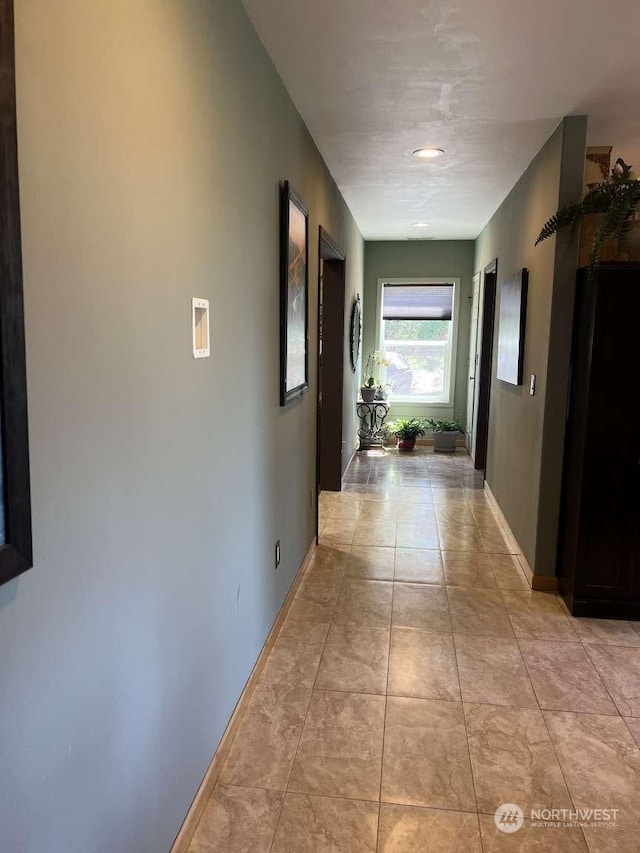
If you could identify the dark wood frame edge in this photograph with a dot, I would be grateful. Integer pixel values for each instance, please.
(16, 556)
(287, 194)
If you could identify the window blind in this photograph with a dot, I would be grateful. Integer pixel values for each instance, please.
(417, 302)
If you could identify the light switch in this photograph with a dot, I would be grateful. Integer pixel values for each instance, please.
(200, 322)
(532, 385)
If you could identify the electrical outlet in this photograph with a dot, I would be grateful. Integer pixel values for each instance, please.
(277, 554)
(532, 384)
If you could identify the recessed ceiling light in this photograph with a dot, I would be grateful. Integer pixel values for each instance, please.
(420, 224)
(428, 153)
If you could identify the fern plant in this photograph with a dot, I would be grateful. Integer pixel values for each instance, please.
(616, 200)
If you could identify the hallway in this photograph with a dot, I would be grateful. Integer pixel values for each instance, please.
(417, 684)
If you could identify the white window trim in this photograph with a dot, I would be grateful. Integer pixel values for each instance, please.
(418, 279)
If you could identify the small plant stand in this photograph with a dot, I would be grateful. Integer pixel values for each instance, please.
(372, 417)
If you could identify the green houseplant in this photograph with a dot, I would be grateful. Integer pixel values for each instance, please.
(407, 431)
(445, 434)
(616, 201)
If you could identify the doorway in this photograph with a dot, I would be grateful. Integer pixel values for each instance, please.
(483, 374)
(474, 357)
(331, 320)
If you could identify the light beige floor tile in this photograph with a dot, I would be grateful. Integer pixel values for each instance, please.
(381, 492)
(426, 759)
(316, 598)
(324, 825)
(371, 563)
(423, 665)
(346, 510)
(491, 671)
(328, 559)
(264, 747)
(418, 565)
(538, 615)
(340, 752)
(513, 759)
(375, 533)
(564, 678)
(417, 535)
(600, 761)
(508, 572)
(451, 514)
(415, 513)
(340, 530)
(449, 495)
(355, 660)
(478, 611)
(421, 606)
(296, 654)
(379, 511)
(415, 494)
(619, 668)
(605, 632)
(238, 820)
(351, 491)
(364, 602)
(405, 829)
(496, 541)
(468, 569)
(531, 838)
(459, 537)
(633, 724)
(619, 839)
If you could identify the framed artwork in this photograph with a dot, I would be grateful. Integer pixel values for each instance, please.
(355, 333)
(15, 501)
(511, 328)
(294, 295)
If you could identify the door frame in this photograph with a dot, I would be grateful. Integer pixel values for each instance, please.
(472, 372)
(328, 250)
(484, 375)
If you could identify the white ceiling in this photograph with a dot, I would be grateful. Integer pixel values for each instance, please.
(488, 80)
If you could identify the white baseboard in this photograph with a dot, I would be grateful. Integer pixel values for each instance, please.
(183, 839)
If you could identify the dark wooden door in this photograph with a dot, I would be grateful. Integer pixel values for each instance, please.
(331, 355)
(483, 375)
(600, 541)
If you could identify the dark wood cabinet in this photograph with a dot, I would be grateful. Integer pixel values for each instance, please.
(599, 544)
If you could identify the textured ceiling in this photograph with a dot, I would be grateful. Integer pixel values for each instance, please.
(488, 80)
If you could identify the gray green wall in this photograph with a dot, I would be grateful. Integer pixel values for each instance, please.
(152, 137)
(526, 434)
(428, 258)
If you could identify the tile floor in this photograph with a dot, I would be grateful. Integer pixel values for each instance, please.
(418, 683)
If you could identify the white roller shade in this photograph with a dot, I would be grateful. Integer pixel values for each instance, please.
(417, 302)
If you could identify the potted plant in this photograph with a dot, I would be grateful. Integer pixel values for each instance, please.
(406, 431)
(445, 434)
(369, 389)
(616, 202)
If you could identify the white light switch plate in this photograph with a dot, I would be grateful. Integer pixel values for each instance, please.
(532, 385)
(201, 328)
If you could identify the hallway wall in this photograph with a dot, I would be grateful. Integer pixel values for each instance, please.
(152, 138)
(428, 258)
(526, 434)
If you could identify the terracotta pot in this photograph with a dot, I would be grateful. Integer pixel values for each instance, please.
(406, 443)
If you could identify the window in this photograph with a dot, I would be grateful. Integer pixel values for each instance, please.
(417, 337)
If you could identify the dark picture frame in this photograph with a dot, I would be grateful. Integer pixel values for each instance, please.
(512, 327)
(294, 295)
(355, 333)
(16, 551)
